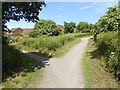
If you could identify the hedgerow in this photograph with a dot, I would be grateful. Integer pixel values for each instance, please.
(107, 45)
(45, 44)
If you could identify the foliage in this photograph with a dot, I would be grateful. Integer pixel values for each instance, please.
(108, 22)
(84, 27)
(69, 27)
(15, 62)
(13, 35)
(33, 33)
(28, 11)
(46, 27)
(93, 71)
(107, 45)
(83, 34)
(45, 45)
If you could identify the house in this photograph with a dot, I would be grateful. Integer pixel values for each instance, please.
(61, 27)
(20, 31)
(16, 31)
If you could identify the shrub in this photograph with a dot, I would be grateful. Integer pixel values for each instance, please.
(49, 43)
(107, 45)
(46, 27)
(33, 34)
(69, 27)
(84, 27)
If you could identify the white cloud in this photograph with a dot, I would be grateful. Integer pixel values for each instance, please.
(86, 7)
(93, 3)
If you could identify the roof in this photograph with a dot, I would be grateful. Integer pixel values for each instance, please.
(13, 29)
(61, 26)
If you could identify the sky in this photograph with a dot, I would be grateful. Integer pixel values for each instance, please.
(69, 12)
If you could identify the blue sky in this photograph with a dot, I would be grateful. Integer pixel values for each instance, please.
(68, 11)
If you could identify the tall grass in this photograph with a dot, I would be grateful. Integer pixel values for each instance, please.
(45, 44)
(48, 43)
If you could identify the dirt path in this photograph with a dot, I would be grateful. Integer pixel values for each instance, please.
(64, 72)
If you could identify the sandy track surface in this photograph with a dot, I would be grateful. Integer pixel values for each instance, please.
(66, 71)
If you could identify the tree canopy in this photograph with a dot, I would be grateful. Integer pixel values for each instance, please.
(108, 22)
(46, 27)
(69, 27)
(84, 27)
(28, 11)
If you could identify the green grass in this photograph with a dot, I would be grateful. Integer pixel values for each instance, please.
(61, 51)
(95, 75)
(51, 46)
(19, 70)
(28, 80)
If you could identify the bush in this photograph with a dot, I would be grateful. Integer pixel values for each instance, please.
(69, 27)
(46, 27)
(107, 45)
(84, 27)
(83, 34)
(48, 43)
(33, 34)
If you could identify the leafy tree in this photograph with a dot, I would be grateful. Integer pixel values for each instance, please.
(84, 27)
(17, 62)
(28, 11)
(108, 22)
(69, 27)
(47, 27)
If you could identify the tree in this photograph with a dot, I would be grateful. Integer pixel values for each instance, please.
(28, 11)
(69, 27)
(84, 27)
(47, 27)
(108, 22)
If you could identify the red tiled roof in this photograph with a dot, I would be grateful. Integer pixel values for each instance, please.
(13, 29)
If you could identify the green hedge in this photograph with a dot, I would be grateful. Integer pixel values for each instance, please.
(48, 43)
(107, 45)
(45, 44)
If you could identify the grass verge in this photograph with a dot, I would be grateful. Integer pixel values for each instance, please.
(27, 80)
(19, 70)
(95, 75)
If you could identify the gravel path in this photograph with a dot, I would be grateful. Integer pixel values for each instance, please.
(66, 71)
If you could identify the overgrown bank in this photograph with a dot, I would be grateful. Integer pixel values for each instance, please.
(19, 70)
(49, 46)
(98, 72)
